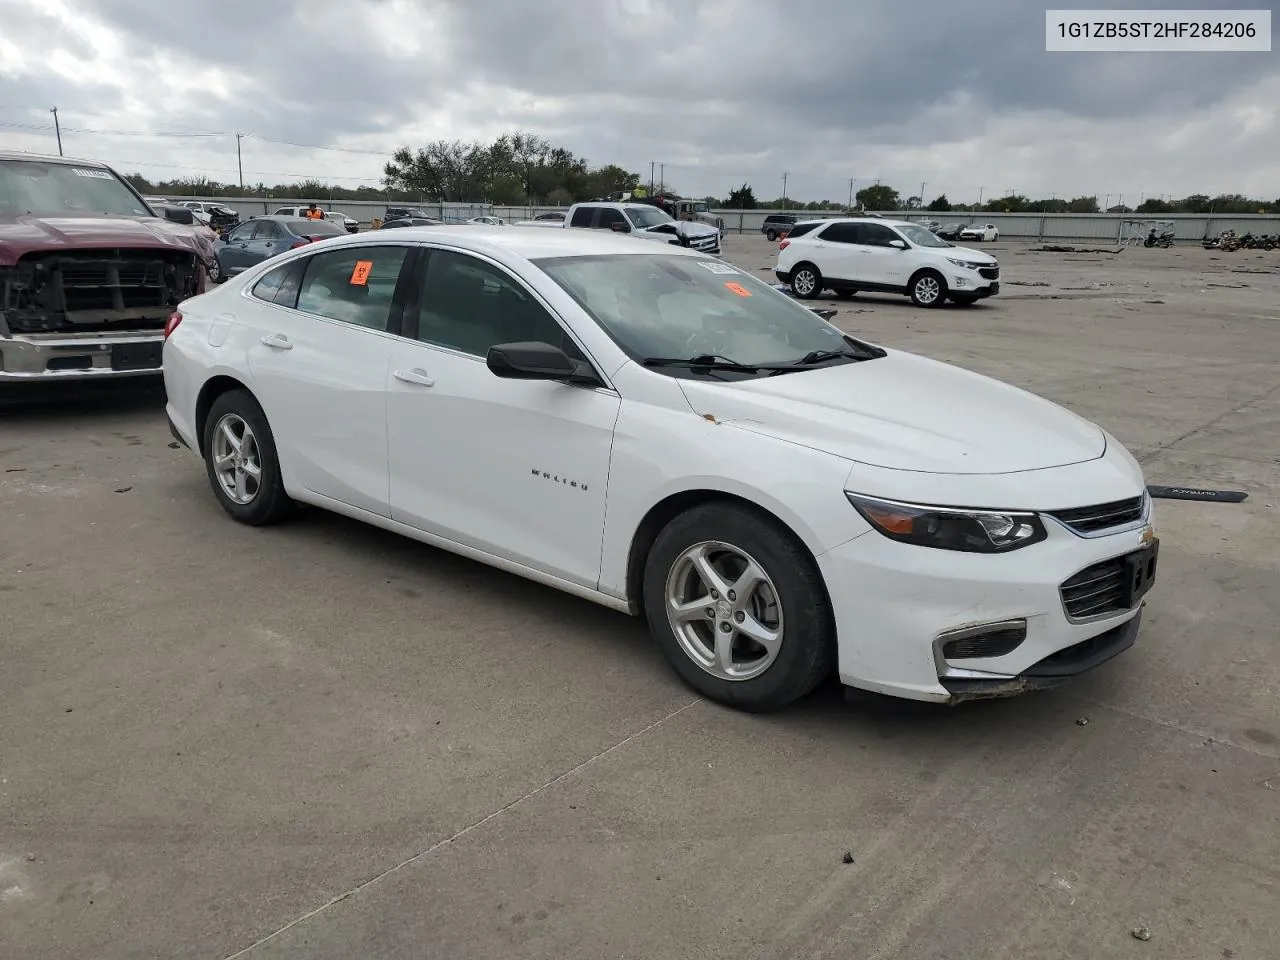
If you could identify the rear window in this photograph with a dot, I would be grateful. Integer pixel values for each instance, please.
(312, 228)
(800, 229)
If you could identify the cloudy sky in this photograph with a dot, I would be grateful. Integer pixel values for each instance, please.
(959, 94)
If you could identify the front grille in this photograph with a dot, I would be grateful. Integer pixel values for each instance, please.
(1095, 590)
(1102, 516)
(989, 273)
(112, 284)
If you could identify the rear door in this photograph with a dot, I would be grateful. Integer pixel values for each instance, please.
(319, 358)
(837, 252)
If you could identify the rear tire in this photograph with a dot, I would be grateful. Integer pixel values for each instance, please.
(699, 561)
(771, 235)
(928, 289)
(240, 459)
(806, 281)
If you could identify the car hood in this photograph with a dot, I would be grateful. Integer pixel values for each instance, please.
(969, 253)
(692, 228)
(905, 412)
(28, 234)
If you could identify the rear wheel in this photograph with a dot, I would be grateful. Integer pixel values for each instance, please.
(771, 235)
(928, 289)
(806, 281)
(738, 607)
(240, 458)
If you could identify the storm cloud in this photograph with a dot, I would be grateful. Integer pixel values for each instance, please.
(960, 95)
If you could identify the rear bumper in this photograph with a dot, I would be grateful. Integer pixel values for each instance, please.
(50, 357)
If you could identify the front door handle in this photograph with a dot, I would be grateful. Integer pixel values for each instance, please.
(416, 376)
(278, 341)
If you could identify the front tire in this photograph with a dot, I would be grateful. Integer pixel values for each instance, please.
(928, 289)
(738, 607)
(214, 270)
(240, 459)
(806, 281)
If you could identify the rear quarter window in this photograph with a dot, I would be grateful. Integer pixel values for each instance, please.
(799, 230)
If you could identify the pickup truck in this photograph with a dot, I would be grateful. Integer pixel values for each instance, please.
(642, 221)
(89, 272)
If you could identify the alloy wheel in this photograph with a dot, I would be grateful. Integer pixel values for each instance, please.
(724, 610)
(237, 461)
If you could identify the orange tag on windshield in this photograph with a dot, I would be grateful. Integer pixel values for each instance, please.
(360, 275)
(738, 288)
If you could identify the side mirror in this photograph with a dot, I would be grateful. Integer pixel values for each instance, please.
(534, 360)
(618, 227)
(898, 244)
(179, 215)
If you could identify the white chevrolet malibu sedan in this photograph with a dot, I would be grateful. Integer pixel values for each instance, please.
(653, 429)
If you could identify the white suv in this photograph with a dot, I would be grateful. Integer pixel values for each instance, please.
(890, 256)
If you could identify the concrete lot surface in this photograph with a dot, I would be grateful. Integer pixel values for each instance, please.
(323, 741)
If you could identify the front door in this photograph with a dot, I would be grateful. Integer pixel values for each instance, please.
(515, 468)
(881, 263)
(320, 370)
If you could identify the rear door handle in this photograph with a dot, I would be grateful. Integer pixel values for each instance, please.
(416, 376)
(278, 341)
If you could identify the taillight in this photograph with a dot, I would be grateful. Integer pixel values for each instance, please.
(171, 324)
(299, 243)
(784, 243)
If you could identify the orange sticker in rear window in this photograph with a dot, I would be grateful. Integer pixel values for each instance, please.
(360, 275)
(738, 288)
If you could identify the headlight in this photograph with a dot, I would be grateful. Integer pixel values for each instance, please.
(951, 528)
(968, 264)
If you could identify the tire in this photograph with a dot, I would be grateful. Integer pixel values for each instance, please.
(789, 601)
(215, 271)
(928, 289)
(806, 281)
(964, 300)
(846, 294)
(265, 500)
(771, 235)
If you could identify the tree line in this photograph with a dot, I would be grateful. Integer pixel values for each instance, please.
(524, 168)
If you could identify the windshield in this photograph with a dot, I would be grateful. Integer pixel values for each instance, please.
(647, 217)
(665, 305)
(921, 236)
(701, 207)
(63, 189)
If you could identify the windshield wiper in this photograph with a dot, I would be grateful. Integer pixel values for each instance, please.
(705, 361)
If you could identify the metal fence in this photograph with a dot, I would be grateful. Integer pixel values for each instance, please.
(1103, 228)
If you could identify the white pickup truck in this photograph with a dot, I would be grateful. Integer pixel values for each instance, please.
(638, 219)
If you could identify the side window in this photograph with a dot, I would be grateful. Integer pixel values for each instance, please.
(582, 217)
(470, 305)
(799, 230)
(242, 232)
(263, 230)
(610, 216)
(844, 233)
(280, 286)
(877, 235)
(354, 284)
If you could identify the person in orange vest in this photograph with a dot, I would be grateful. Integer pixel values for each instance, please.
(314, 213)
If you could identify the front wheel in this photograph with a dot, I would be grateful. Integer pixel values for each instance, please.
(928, 289)
(737, 606)
(214, 270)
(806, 281)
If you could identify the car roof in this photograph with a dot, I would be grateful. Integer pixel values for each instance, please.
(68, 161)
(530, 243)
(884, 221)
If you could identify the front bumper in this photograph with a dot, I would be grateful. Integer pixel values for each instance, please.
(50, 357)
(895, 606)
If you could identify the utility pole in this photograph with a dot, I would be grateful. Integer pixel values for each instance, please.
(921, 194)
(980, 189)
(784, 185)
(662, 177)
(851, 182)
(1106, 204)
(57, 128)
(239, 162)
